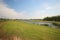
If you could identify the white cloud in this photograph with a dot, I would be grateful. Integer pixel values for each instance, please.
(49, 6)
(38, 14)
(45, 13)
(57, 6)
(48, 10)
(7, 12)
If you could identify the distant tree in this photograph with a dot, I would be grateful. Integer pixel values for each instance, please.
(3, 19)
(53, 18)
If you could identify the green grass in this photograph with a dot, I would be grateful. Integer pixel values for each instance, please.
(57, 23)
(28, 31)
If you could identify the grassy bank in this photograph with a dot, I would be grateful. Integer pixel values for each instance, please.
(27, 31)
(57, 23)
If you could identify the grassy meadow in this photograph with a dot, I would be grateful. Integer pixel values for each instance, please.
(28, 31)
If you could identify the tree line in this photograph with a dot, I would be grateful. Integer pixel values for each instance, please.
(3, 19)
(53, 18)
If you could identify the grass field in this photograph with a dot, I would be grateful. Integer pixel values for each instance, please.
(28, 31)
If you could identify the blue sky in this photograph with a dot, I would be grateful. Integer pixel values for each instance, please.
(27, 9)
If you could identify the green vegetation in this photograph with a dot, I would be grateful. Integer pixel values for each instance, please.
(36, 20)
(28, 31)
(56, 23)
(53, 18)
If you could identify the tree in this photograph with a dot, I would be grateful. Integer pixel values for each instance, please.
(53, 18)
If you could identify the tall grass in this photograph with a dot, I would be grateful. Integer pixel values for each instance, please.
(28, 31)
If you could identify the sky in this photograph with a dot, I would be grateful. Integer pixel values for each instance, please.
(29, 9)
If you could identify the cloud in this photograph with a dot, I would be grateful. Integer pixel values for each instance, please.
(39, 14)
(45, 10)
(57, 6)
(6, 12)
(51, 5)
